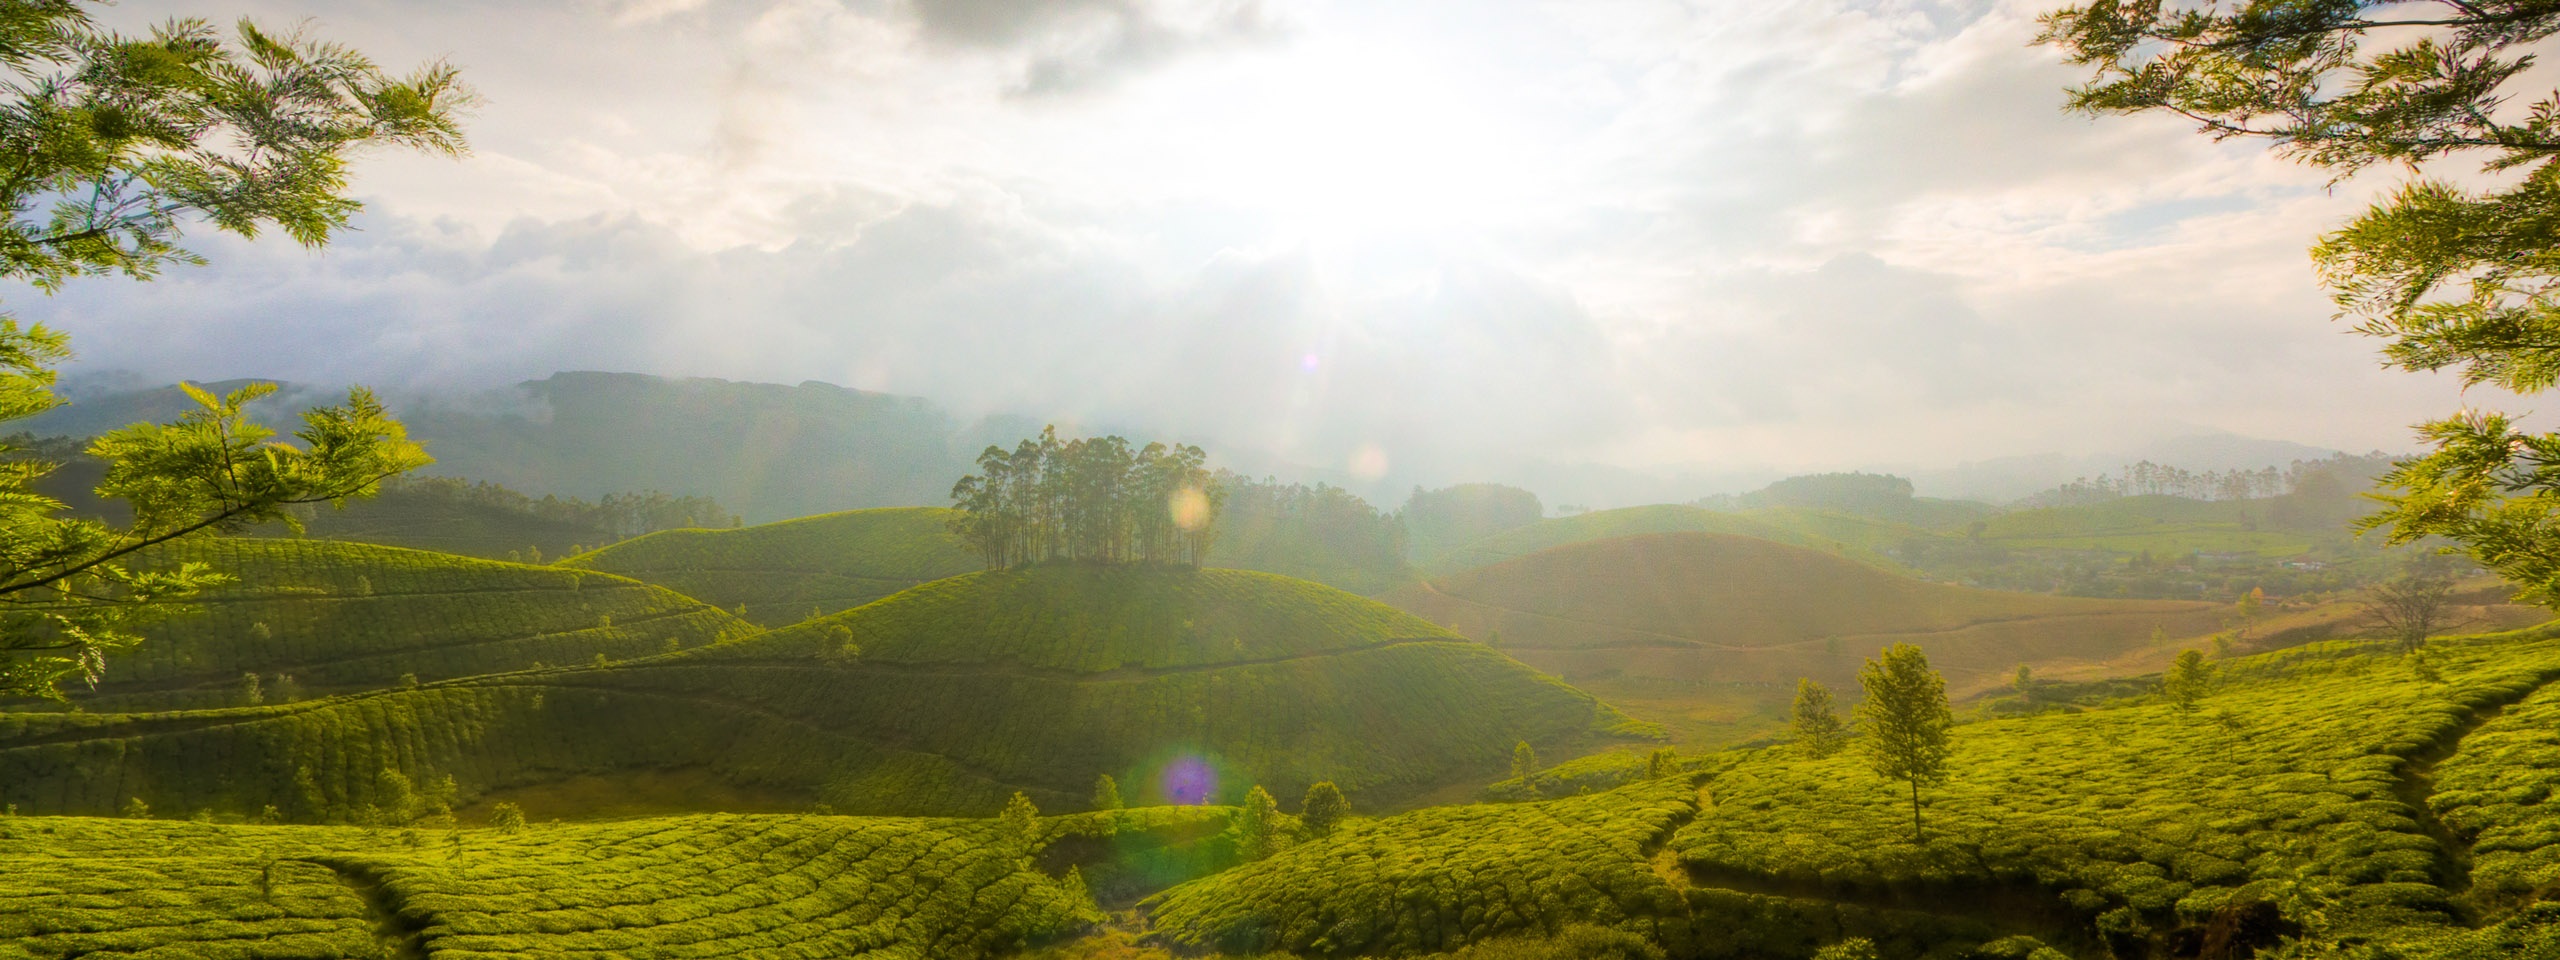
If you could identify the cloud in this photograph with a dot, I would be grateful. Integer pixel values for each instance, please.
(1811, 235)
(1073, 46)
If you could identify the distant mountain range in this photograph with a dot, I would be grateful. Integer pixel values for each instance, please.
(771, 451)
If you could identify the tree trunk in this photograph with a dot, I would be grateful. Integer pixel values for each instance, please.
(1916, 835)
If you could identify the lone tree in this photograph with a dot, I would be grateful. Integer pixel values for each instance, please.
(1817, 719)
(1906, 719)
(2448, 276)
(1106, 793)
(1324, 808)
(2188, 680)
(2411, 609)
(117, 144)
(1524, 763)
(1257, 821)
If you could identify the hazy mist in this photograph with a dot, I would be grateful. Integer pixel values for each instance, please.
(1430, 242)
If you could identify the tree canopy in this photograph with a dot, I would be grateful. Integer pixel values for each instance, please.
(119, 144)
(2450, 277)
(1089, 499)
(1906, 718)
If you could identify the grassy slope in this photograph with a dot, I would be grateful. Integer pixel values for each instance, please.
(1702, 631)
(955, 701)
(779, 572)
(341, 617)
(2373, 802)
(2164, 525)
(700, 886)
(1604, 524)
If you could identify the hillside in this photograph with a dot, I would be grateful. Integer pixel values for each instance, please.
(1628, 521)
(777, 573)
(765, 450)
(942, 699)
(1667, 624)
(2330, 793)
(698, 886)
(314, 617)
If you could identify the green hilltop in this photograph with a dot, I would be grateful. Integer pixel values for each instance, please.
(944, 699)
(315, 617)
(2333, 785)
(777, 573)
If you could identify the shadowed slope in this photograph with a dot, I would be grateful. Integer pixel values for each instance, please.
(340, 617)
(779, 573)
(943, 699)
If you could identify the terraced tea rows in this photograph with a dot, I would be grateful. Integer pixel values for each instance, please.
(2146, 819)
(702, 886)
(1281, 682)
(1437, 878)
(779, 573)
(313, 617)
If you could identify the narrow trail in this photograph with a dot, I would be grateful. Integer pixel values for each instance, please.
(402, 935)
(2414, 784)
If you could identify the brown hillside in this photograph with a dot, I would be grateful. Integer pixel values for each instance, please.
(1660, 623)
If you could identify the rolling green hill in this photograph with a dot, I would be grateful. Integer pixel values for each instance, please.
(698, 886)
(2329, 792)
(776, 573)
(1664, 623)
(942, 699)
(314, 617)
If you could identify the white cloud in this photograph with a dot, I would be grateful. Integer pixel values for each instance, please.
(1816, 234)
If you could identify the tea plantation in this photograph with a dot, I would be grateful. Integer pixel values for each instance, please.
(315, 617)
(779, 573)
(698, 886)
(1278, 681)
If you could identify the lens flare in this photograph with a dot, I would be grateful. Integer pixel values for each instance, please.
(1189, 782)
(1369, 462)
(1190, 508)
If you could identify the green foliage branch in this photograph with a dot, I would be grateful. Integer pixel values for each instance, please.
(2450, 277)
(114, 145)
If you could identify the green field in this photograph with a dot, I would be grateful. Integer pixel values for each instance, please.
(948, 699)
(320, 617)
(1659, 622)
(2366, 802)
(780, 573)
(699, 886)
(1605, 524)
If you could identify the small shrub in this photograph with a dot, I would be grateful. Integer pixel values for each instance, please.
(1854, 948)
(1323, 808)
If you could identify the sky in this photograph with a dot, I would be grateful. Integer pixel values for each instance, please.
(1657, 235)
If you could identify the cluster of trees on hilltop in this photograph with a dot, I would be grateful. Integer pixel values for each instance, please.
(2151, 479)
(1092, 499)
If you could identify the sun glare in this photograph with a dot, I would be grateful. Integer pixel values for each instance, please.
(1335, 141)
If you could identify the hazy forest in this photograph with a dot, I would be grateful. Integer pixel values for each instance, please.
(1648, 481)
